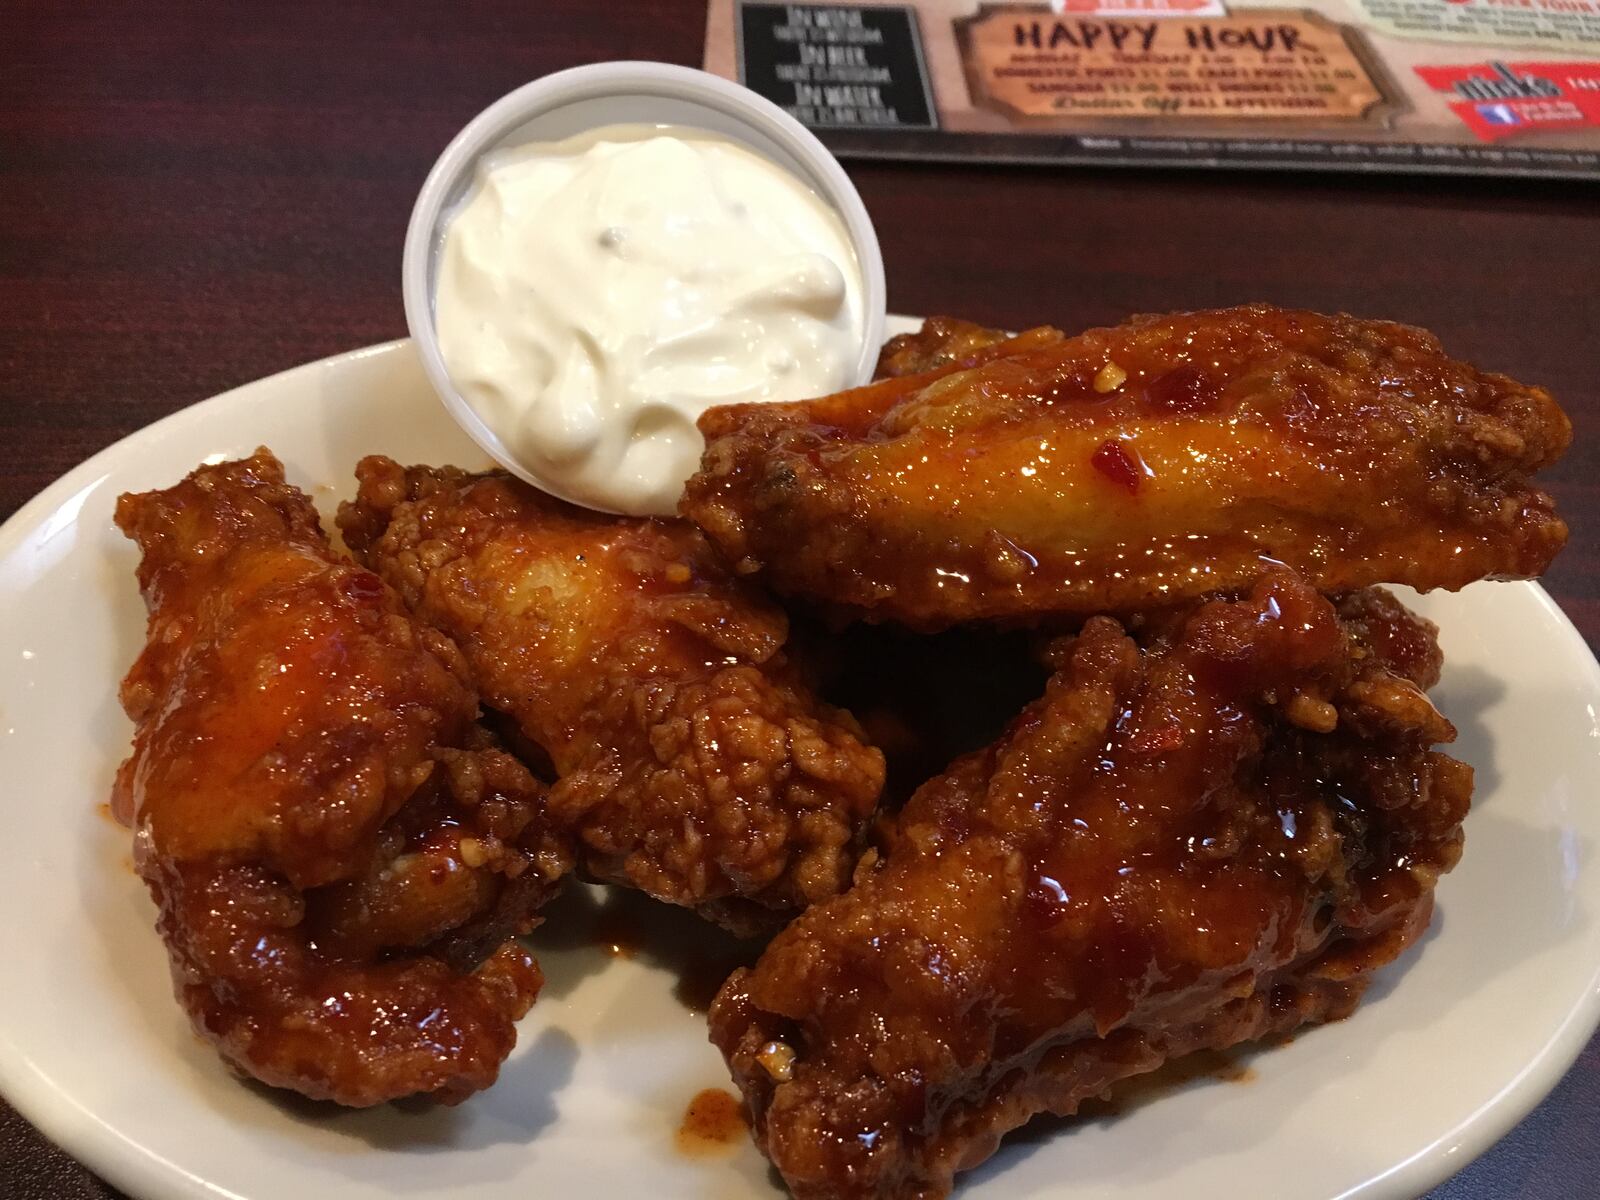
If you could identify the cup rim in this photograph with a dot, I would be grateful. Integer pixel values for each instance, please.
(592, 81)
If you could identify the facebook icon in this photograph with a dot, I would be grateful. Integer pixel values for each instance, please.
(1498, 114)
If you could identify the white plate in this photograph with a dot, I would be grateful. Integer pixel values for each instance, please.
(1454, 1045)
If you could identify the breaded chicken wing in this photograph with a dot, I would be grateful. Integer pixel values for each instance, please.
(339, 852)
(1184, 844)
(692, 761)
(1136, 467)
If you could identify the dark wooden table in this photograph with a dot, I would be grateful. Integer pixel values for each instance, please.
(196, 195)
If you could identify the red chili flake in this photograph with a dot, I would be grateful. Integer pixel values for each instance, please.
(1182, 389)
(1119, 464)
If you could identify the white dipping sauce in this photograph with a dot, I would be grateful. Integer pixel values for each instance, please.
(596, 295)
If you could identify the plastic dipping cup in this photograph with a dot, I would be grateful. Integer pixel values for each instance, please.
(571, 102)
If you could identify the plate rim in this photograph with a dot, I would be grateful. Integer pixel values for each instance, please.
(141, 1172)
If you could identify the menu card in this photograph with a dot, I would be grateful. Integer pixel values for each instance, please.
(1471, 86)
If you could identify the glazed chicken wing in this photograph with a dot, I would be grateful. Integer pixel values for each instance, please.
(1136, 467)
(339, 852)
(692, 761)
(952, 342)
(1205, 838)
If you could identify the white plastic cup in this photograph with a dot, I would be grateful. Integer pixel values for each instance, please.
(615, 93)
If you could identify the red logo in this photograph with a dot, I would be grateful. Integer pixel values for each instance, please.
(1497, 99)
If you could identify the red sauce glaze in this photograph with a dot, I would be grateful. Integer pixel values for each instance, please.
(713, 1122)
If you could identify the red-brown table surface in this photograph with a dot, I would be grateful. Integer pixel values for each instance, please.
(193, 196)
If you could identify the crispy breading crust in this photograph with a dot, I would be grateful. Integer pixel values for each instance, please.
(692, 761)
(1184, 844)
(339, 852)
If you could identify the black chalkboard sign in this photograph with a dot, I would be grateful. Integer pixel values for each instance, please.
(837, 66)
